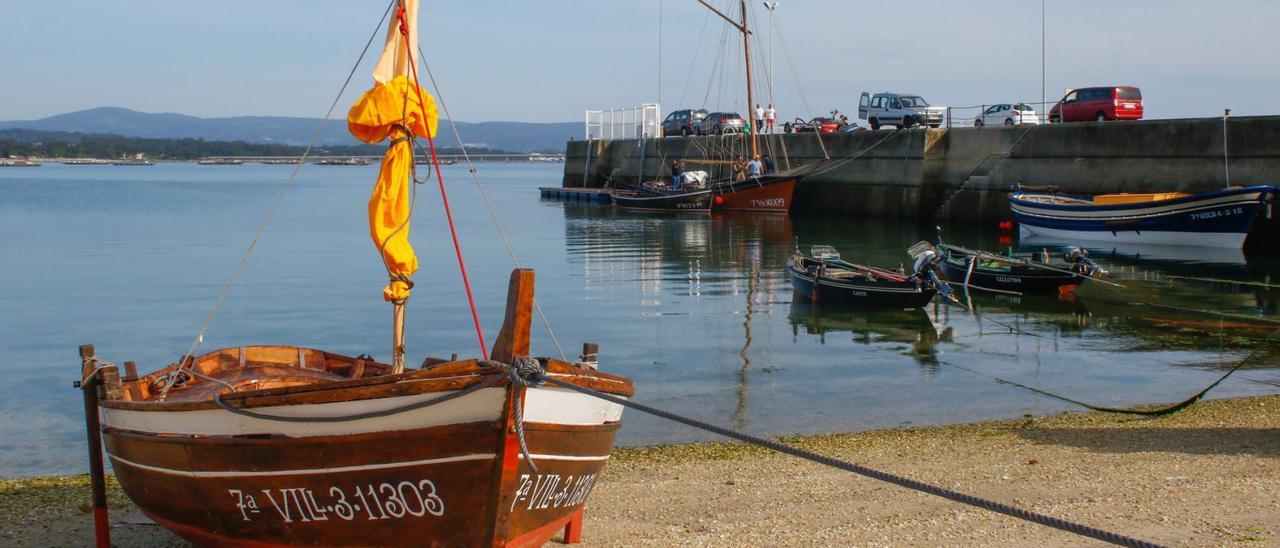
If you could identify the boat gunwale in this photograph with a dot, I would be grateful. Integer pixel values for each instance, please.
(409, 383)
(1017, 197)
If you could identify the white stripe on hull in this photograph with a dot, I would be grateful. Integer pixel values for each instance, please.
(1202, 239)
(542, 405)
(1138, 210)
(300, 471)
(340, 469)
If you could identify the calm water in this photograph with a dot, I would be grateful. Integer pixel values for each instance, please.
(696, 309)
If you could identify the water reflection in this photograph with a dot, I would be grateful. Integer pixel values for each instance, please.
(915, 328)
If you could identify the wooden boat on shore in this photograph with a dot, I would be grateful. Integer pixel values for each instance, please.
(262, 446)
(1220, 218)
(1021, 274)
(282, 445)
(823, 277)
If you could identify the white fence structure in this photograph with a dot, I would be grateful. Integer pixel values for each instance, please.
(644, 121)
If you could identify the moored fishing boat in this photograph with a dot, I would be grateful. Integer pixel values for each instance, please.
(287, 445)
(1024, 274)
(768, 193)
(1219, 218)
(659, 199)
(823, 277)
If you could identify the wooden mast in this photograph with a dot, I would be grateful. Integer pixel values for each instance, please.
(746, 50)
(397, 338)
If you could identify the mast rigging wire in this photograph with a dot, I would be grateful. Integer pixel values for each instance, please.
(275, 205)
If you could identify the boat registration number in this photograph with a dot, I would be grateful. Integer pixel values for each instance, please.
(1205, 215)
(543, 491)
(371, 502)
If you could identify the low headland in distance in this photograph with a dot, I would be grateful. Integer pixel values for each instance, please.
(1206, 476)
(112, 133)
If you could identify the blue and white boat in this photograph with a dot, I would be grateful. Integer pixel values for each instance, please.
(1221, 218)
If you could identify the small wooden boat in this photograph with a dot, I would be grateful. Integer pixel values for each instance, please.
(285, 446)
(660, 199)
(823, 277)
(1022, 274)
(1221, 218)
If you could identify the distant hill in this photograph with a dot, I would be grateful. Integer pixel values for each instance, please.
(282, 130)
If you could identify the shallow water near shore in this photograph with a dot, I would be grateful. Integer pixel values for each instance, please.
(697, 309)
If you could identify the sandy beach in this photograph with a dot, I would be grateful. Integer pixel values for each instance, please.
(1207, 476)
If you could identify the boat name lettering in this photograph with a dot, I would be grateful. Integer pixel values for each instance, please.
(769, 202)
(1205, 215)
(1008, 280)
(693, 205)
(373, 502)
(543, 491)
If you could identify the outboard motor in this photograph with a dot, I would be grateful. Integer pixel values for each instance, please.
(925, 269)
(1080, 262)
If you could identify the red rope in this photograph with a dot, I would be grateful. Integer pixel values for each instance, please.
(435, 161)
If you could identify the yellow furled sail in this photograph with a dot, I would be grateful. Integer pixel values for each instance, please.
(392, 110)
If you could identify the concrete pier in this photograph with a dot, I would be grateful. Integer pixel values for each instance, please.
(964, 174)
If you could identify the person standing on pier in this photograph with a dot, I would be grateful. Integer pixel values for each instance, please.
(759, 127)
(770, 116)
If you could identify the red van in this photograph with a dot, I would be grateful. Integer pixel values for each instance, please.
(1098, 104)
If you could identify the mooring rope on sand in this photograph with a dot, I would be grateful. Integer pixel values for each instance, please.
(964, 498)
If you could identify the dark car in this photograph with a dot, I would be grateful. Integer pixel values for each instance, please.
(683, 122)
(1098, 104)
(718, 123)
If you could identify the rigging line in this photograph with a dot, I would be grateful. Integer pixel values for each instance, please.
(444, 197)
(275, 205)
(694, 62)
(786, 53)
(484, 195)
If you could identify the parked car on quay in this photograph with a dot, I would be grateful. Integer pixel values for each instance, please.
(1007, 114)
(1098, 104)
(719, 123)
(902, 110)
(683, 122)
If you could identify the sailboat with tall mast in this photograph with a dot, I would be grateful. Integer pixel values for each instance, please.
(765, 193)
(271, 445)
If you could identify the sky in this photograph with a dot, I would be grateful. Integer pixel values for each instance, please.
(550, 60)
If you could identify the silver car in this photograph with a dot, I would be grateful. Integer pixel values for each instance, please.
(718, 123)
(902, 110)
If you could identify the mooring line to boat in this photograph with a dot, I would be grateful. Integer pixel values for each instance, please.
(484, 195)
(1222, 281)
(275, 205)
(1147, 413)
(843, 161)
(901, 481)
(492, 380)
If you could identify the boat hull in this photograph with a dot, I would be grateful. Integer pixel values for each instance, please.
(448, 474)
(885, 294)
(1212, 219)
(697, 201)
(765, 194)
(1022, 279)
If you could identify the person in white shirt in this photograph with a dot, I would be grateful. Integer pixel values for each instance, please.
(770, 116)
(755, 168)
(759, 127)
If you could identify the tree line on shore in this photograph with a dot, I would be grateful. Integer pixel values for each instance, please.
(23, 143)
